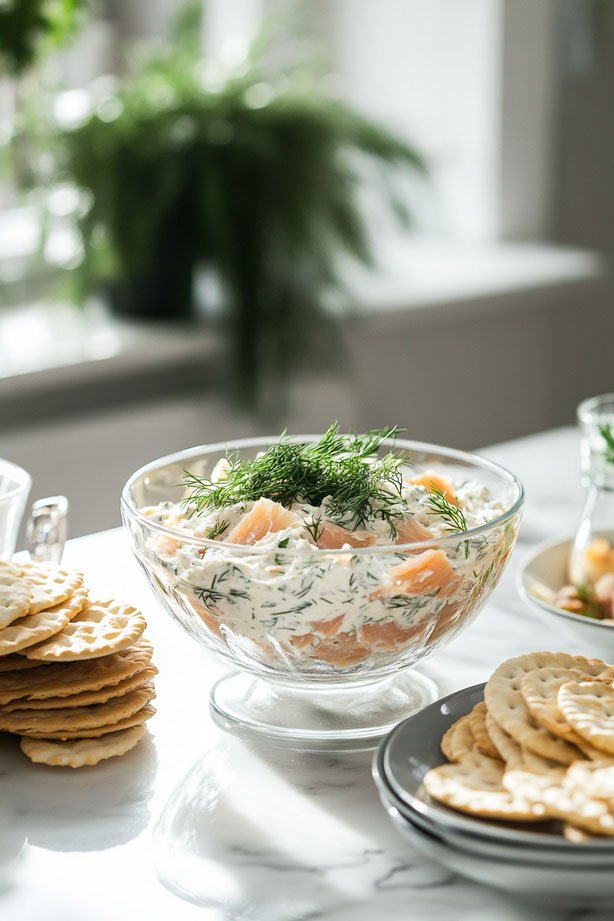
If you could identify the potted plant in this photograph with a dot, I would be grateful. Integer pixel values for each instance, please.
(253, 176)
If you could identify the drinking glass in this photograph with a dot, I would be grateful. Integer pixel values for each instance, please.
(15, 485)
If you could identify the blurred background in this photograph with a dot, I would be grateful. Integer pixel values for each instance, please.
(231, 217)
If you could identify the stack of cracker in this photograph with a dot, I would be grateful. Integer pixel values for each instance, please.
(76, 676)
(540, 747)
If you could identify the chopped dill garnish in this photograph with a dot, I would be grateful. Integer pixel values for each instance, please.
(282, 546)
(341, 469)
(314, 527)
(453, 516)
(216, 529)
(605, 431)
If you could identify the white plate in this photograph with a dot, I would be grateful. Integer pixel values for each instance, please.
(566, 886)
(546, 571)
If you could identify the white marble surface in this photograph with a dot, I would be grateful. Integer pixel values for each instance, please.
(195, 824)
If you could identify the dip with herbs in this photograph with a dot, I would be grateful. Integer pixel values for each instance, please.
(331, 551)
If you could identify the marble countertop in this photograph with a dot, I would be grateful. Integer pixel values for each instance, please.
(196, 824)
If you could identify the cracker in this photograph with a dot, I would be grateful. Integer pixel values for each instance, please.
(531, 785)
(474, 786)
(590, 751)
(15, 595)
(582, 811)
(27, 721)
(509, 750)
(458, 740)
(140, 717)
(65, 679)
(50, 585)
(84, 751)
(87, 698)
(36, 627)
(101, 628)
(594, 778)
(537, 765)
(505, 702)
(540, 688)
(588, 706)
(558, 802)
(483, 742)
(16, 662)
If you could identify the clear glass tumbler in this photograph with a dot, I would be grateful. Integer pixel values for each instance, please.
(15, 485)
(592, 554)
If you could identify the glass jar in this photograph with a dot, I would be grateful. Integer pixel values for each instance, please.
(592, 554)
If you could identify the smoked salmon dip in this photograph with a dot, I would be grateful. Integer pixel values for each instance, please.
(334, 577)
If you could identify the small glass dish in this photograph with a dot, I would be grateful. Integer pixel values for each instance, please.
(330, 668)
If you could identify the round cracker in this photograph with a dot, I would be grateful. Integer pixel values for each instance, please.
(141, 679)
(457, 742)
(65, 679)
(558, 802)
(15, 662)
(101, 628)
(15, 595)
(483, 742)
(588, 707)
(82, 752)
(50, 585)
(594, 778)
(540, 688)
(27, 721)
(474, 785)
(140, 717)
(509, 750)
(36, 627)
(504, 700)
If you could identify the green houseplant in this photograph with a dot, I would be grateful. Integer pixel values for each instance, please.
(29, 27)
(253, 176)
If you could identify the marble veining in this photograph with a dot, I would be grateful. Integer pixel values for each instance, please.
(197, 824)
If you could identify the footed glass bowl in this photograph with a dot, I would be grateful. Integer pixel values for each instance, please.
(322, 640)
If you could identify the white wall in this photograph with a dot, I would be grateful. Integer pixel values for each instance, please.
(463, 373)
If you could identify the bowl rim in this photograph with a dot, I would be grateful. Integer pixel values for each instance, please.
(451, 453)
(528, 596)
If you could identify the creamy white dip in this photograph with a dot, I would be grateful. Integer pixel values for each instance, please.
(286, 593)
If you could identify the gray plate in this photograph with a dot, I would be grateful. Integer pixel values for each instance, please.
(566, 886)
(412, 749)
(575, 856)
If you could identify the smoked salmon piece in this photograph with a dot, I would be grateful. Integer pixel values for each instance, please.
(166, 547)
(389, 634)
(328, 627)
(333, 537)
(343, 650)
(265, 517)
(423, 573)
(447, 619)
(433, 481)
(410, 532)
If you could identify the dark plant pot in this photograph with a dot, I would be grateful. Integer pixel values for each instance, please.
(162, 291)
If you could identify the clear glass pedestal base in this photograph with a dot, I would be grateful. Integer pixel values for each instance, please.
(345, 718)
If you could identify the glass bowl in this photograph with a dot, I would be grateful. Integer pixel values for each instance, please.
(323, 646)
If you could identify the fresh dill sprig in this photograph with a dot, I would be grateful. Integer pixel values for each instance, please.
(453, 516)
(216, 529)
(341, 469)
(314, 527)
(606, 433)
